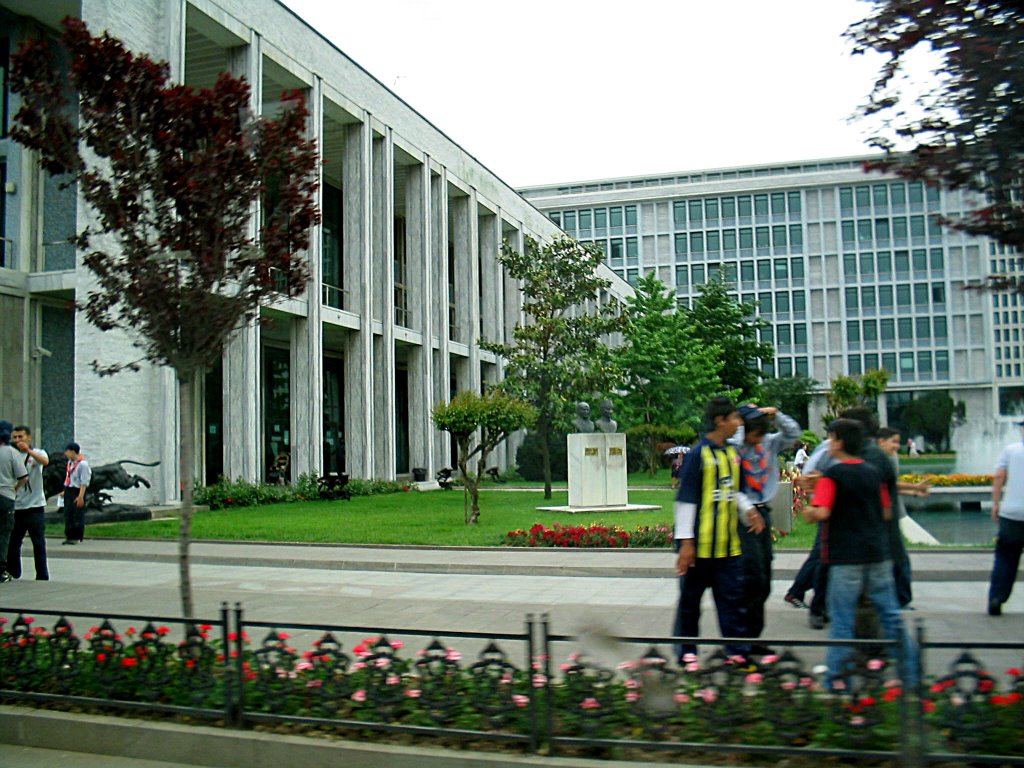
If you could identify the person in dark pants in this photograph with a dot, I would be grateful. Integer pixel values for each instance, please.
(75, 484)
(709, 509)
(759, 447)
(29, 508)
(12, 476)
(1008, 511)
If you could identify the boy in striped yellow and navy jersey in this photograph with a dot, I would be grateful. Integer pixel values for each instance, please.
(709, 510)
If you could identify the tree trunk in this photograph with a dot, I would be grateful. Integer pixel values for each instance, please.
(186, 381)
(545, 458)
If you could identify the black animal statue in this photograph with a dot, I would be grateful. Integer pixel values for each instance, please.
(105, 477)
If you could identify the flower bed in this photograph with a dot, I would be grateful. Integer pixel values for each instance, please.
(648, 701)
(949, 481)
(596, 535)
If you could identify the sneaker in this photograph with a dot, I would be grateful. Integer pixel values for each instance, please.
(4, 577)
(995, 608)
(816, 621)
(795, 601)
(66, 542)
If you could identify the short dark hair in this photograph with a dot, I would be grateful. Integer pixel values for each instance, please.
(22, 428)
(884, 433)
(717, 407)
(758, 425)
(864, 415)
(850, 432)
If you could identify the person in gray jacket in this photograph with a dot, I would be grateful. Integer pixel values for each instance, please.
(12, 476)
(766, 432)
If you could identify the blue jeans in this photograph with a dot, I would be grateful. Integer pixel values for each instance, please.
(1009, 545)
(845, 585)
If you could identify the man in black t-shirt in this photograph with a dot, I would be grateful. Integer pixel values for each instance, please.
(853, 503)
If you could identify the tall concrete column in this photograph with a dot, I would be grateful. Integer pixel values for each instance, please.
(242, 382)
(418, 232)
(467, 292)
(382, 208)
(439, 260)
(307, 354)
(358, 282)
(490, 277)
(512, 314)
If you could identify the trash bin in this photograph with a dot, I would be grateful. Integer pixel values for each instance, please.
(419, 474)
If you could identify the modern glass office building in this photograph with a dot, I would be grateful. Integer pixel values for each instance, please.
(405, 276)
(851, 269)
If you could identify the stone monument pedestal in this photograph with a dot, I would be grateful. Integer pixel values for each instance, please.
(597, 474)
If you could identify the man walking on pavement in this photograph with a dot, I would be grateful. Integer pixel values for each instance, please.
(709, 510)
(759, 452)
(12, 476)
(1008, 511)
(29, 507)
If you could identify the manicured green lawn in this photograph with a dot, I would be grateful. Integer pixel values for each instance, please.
(400, 518)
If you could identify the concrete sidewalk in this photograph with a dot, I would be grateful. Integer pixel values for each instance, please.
(937, 565)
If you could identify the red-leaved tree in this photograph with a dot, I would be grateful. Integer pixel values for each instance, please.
(174, 176)
(968, 126)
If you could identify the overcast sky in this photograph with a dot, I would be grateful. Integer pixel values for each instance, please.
(565, 90)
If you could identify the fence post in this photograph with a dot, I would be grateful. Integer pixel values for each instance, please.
(239, 720)
(921, 747)
(530, 656)
(229, 692)
(549, 691)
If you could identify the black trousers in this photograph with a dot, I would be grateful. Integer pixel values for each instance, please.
(757, 572)
(724, 575)
(30, 521)
(74, 516)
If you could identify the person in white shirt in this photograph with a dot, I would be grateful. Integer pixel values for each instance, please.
(12, 476)
(76, 483)
(1008, 511)
(29, 507)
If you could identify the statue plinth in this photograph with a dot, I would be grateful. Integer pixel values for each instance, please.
(597, 470)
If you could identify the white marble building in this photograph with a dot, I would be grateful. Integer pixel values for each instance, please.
(405, 275)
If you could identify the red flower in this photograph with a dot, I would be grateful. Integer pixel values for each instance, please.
(892, 694)
(985, 685)
(128, 661)
(928, 705)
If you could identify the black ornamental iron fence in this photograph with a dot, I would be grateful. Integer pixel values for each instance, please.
(590, 693)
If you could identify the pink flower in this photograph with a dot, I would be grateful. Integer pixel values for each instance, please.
(381, 662)
(689, 658)
(755, 678)
(314, 683)
(452, 655)
(520, 701)
(393, 680)
(413, 693)
(359, 665)
(769, 659)
(303, 665)
(789, 685)
(857, 721)
(631, 683)
(359, 695)
(682, 698)
(506, 678)
(396, 644)
(693, 666)
(625, 664)
(539, 681)
(590, 703)
(708, 694)
(806, 682)
(875, 664)
(632, 696)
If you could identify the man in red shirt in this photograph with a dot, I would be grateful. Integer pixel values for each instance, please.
(853, 504)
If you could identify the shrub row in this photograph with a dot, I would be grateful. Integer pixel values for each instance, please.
(241, 493)
(596, 535)
(949, 481)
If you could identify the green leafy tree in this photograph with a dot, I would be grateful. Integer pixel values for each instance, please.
(651, 440)
(172, 174)
(852, 391)
(668, 373)
(559, 355)
(932, 415)
(790, 394)
(967, 125)
(478, 424)
(717, 319)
